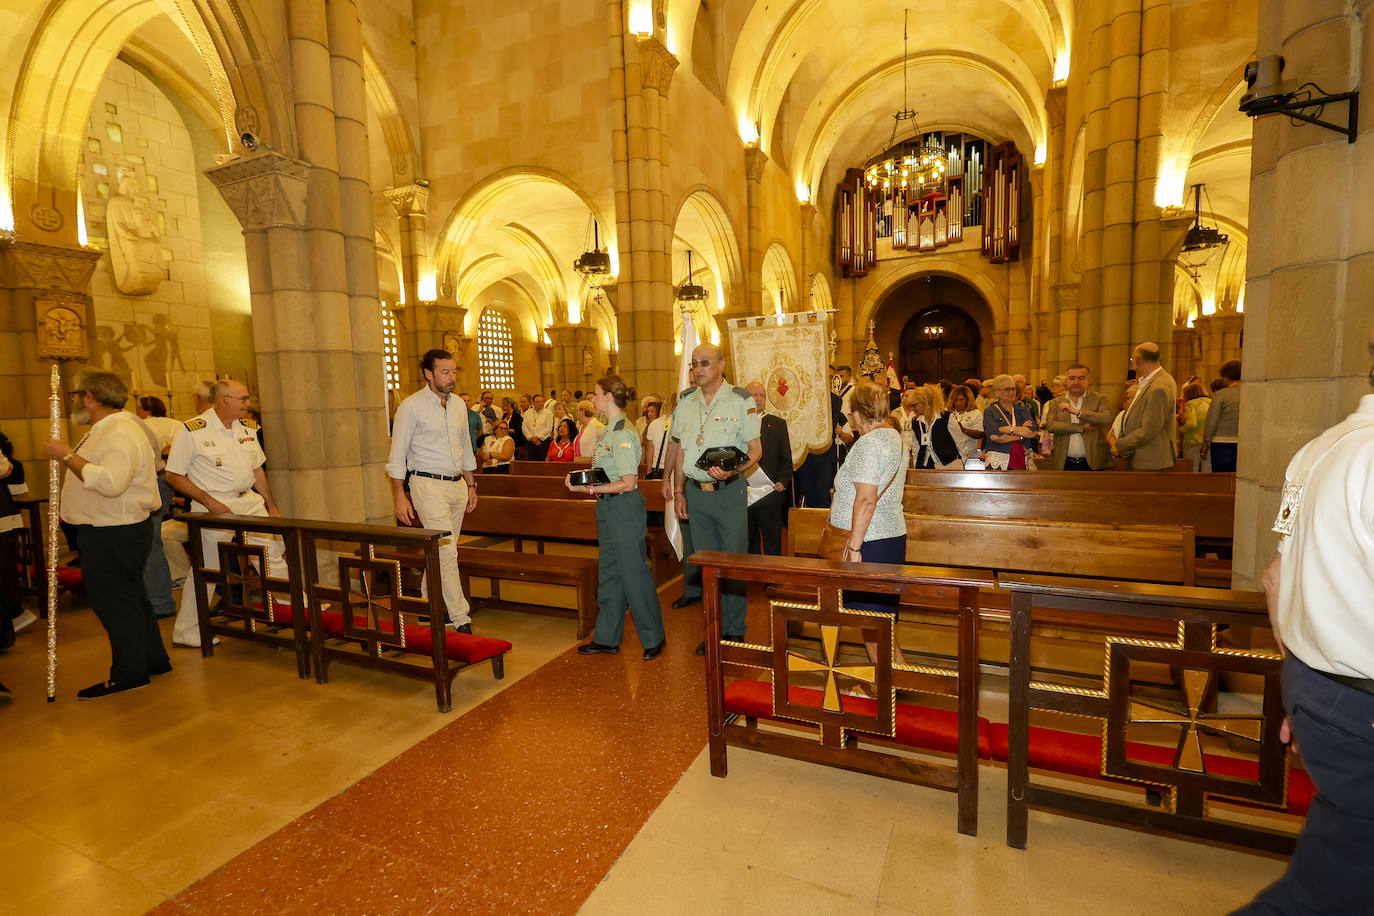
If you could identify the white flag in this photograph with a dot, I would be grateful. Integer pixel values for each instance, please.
(684, 375)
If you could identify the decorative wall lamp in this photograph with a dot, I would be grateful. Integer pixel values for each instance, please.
(1266, 94)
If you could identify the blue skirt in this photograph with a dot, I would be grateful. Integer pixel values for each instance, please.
(883, 550)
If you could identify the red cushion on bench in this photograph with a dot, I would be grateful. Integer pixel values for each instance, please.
(1081, 755)
(68, 577)
(467, 648)
(917, 726)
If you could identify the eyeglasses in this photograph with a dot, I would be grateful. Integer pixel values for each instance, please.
(239, 397)
(700, 363)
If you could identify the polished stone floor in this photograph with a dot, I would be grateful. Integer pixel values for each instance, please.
(229, 786)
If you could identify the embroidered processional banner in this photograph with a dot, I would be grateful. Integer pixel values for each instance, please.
(789, 354)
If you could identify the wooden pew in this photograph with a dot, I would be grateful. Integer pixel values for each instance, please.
(1142, 553)
(33, 557)
(1104, 481)
(540, 469)
(1160, 554)
(544, 487)
(1211, 515)
(1194, 774)
(855, 732)
(366, 620)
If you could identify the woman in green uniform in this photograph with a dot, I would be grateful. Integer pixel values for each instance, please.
(624, 576)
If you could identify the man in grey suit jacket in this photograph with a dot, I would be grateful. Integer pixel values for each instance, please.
(1149, 430)
(1079, 421)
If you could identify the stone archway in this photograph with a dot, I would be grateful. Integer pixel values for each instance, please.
(936, 301)
(940, 341)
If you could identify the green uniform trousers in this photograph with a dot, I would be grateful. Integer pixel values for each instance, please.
(720, 521)
(623, 572)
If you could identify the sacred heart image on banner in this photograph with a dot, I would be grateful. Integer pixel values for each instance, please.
(788, 354)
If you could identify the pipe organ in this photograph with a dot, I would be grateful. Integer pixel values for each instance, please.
(1003, 181)
(855, 226)
(981, 185)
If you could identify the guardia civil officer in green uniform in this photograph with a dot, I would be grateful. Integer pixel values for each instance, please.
(621, 530)
(709, 415)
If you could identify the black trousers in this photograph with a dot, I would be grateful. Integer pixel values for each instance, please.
(816, 478)
(765, 524)
(1077, 464)
(1334, 727)
(112, 561)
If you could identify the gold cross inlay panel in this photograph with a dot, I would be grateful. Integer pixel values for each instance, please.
(830, 640)
(1192, 719)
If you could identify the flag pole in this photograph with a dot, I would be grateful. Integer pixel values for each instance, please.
(54, 432)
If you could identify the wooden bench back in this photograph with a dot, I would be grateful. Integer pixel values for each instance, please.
(1211, 515)
(534, 518)
(541, 487)
(546, 468)
(1142, 553)
(1104, 481)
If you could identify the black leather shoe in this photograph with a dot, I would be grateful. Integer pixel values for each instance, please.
(684, 601)
(655, 652)
(163, 668)
(701, 648)
(96, 691)
(465, 628)
(596, 648)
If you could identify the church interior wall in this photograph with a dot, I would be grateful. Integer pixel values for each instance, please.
(136, 142)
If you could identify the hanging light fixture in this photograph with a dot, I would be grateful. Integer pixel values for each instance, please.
(594, 264)
(690, 292)
(914, 163)
(1200, 237)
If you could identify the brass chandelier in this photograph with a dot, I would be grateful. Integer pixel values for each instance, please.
(913, 163)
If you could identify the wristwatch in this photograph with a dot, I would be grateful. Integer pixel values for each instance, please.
(68, 457)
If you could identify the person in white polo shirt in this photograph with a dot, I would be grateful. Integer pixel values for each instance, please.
(110, 496)
(1320, 590)
(217, 462)
(430, 443)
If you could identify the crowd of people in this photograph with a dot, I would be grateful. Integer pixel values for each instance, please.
(214, 462)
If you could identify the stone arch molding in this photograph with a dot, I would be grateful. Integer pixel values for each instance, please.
(61, 71)
(724, 258)
(471, 212)
(996, 300)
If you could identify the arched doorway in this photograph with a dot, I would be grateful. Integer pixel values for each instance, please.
(942, 341)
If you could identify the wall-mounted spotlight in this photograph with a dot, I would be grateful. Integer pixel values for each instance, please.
(1267, 94)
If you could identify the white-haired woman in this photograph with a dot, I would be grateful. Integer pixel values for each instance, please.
(1009, 428)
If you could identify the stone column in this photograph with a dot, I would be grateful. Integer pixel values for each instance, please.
(1061, 339)
(410, 203)
(808, 219)
(754, 162)
(53, 281)
(641, 75)
(1308, 312)
(570, 371)
(1125, 298)
(546, 371)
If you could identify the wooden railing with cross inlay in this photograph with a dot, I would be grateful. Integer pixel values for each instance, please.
(1222, 754)
(356, 610)
(852, 731)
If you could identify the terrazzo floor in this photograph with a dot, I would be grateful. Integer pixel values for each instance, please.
(577, 783)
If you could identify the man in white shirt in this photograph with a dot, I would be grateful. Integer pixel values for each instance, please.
(538, 426)
(110, 496)
(1319, 589)
(430, 443)
(217, 461)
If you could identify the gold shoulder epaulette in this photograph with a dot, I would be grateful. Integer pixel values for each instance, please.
(195, 424)
(687, 391)
(249, 423)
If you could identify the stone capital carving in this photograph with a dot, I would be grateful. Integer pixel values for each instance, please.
(808, 216)
(754, 161)
(1056, 103)
(657, 65)
(265, 190)
(408, 200)
(48, 268)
